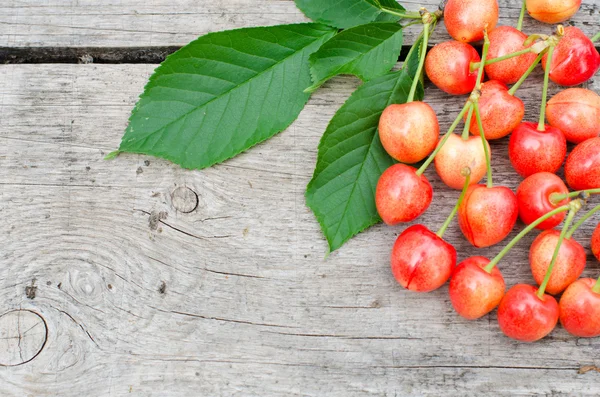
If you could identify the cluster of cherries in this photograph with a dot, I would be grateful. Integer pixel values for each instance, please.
(421, 260)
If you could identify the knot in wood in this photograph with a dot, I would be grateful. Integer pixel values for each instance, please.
(184, 199)
(23, 334)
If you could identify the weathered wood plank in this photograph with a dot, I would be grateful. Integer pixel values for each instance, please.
(235, 297)
(68, 23)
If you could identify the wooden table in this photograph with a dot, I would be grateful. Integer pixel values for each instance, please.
(136, 277)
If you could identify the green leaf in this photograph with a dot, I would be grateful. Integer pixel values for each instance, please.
(223, 93)
(345, 14)
(366, 51)
(351, 158)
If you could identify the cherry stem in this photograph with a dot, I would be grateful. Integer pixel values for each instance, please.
(581, 221)
(466, 172)
(426, 164)
(465, 134)
(488, 160)
(542, 123)
(596, 287)
(596, 37)
(484, 53)
(413, 88)
(521, 17)
(561, 238)
(405, 15)
(515, 87)
(523, 233)
(475, 65)
(556, 198)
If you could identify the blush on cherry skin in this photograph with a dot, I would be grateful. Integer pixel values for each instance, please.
(523, 316)
(532, 151)
(448, 66)
(552, 11)
(569, 264)
(596, 242)
(575, 59)
(576, 112)
(534, 198)
(580, 309)
(500, 112)
(455, 155)
(487, 215)
(421, 261)
(402, 195)
(473, 291)
(409, 132)
(467, 19)
(582, 169)
(506, 40)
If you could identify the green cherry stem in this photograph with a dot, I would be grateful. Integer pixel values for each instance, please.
(515, 87)
(465, 133)
(521, 16)
(523, 233)
(596, 37)
(596, 287)
(488, 159)
(556, 198)
(581, 221)
(542, 123)
(405, 15)
(413, 88)
(484, 53)
(466, 172)
(563, 233)
(429, 160)
(475, 65)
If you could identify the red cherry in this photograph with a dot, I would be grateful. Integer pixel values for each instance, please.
(569, 264)
(534, 197)
(487, 215)
(402, 195)
(466, 19)
(473, 291)
(575, 59)
(580, 309)
(448, 66)
(500, 112)
(455, 155)
(596, 242)
(582, 169)
(532, 151)
(552, 11)
(409, 132)
(505, 40)
(422, 261)
(523, 316)
(576, 112)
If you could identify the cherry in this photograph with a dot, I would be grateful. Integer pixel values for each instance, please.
(506, 40)
(501, 112)
(421, 260)
(569, 264)
(458, 153)
(448, 66)
(575, 59)
(582, 169)
(596, 242)
(409, 132)
(535, 197)
(488, 214)
(576, 112)
(466, 19)
(474, 292)
(524, 316)
(552, 11)
(531, 150)
(580, 308)
(402, 195)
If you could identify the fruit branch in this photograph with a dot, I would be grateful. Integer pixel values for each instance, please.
(405, 15)
(466, 172)
(581, 221)
(521, 16)
(523, 233)
(573, 208)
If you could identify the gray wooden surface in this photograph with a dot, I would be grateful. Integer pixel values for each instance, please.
(135, 277)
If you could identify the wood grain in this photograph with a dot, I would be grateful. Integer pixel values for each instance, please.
(158, 281)
(132, 23)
